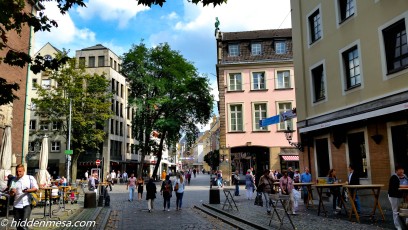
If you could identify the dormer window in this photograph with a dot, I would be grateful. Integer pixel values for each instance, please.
(256, 48)
(233, 50)
(280, 47)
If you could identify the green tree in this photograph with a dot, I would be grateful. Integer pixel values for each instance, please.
(169, 95)
(14, 18)
(91, 103)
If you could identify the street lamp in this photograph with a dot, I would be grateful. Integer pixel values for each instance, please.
(288, 134)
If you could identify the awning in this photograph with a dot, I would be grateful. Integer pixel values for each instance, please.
(290, 158)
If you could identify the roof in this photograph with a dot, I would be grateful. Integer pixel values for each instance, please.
(95, 47)
(257, 34)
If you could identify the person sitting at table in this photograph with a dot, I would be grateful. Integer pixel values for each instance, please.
(286, 186)
(305, 177)
(395, 195)
(332, 179)
(354, 179)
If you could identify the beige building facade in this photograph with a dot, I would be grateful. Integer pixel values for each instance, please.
(351, 75)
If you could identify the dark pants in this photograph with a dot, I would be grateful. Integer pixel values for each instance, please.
(21, 214)
(110, 185)
(166, 200)
(179, 199)
(237, 189)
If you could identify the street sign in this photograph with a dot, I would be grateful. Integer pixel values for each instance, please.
(97, 162)
(69, 152)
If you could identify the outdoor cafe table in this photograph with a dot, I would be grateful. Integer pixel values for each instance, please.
(308, 187)
(319, 188)
(47, 197)
(309, 192)
(352, 191)
(404, 191)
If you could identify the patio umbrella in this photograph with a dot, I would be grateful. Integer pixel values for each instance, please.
(43, 177)
(5, 157)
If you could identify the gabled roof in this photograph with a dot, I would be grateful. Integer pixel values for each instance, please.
(257, 34)
(55, 48)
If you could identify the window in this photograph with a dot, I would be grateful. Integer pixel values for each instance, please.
(91, 61)
(396, 48)
(113, 105)
(258, 80)
(315, 26)
(280, 47)
(112, 126)
(121, 129)
(233, 50)
(322, 157)
(44, 126)
(236, 120)
(283, 79)
(117, 88)
(128, 113)
(235, 82)
(256, 48)
(33, 124)
(31, 146)
(121, 90)
(56, 125)
(101, 61)
(399, 144)
(128, 131)
(319, 90)
(117, 128)
(117, 108)
(357, 153)
(114, 65)
(82, 61)
(111, 62)
(259, 114)
(34, 82)
(347, 8)
(119, 67)
(46, 83)
(283, 107)
(113, 85)
(352, 67)
(55, 146)
(121, 109)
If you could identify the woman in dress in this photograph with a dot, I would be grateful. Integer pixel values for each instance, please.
(139, 185)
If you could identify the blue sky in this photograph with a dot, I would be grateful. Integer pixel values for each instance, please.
(186, 27)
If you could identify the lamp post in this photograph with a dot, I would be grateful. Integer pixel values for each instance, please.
(288, 134)
(68, 156)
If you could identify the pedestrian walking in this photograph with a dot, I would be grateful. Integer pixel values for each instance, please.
(125, 177)
(179, 186)
(113, 175)
(194, 172)
(219, 179)
(109, 180)
(131, 185)
(166, 190)
(21, 187)
(249, 184)
(265, 186)
(236, 182)
(139, 185)
(354, 179)
(86, 175)
(150, 194)
(394, 195)
(332, 179)
(188, 177)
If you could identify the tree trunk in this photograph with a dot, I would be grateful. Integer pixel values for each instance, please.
(74, 170)
(159, 155)
(144, 153)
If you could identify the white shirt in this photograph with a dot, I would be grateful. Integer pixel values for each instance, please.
(181, 185)
(86, 174)
(25, 182)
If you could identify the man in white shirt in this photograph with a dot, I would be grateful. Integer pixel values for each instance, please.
(113, 175)
(21, 186)
(86, 175)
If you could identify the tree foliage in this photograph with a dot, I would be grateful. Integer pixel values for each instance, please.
(14, 18)
(90, 100)
(168, 93)
(213, 159)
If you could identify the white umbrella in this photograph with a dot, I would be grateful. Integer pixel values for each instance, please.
(5, 157)
(43, 177)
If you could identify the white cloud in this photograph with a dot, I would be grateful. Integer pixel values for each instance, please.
(238, 15)
(118, 10)
(172, 16)
(66, 34)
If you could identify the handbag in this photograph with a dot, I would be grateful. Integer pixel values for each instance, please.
(258, 200)
(32, 197)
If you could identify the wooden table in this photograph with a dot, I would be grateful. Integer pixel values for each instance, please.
(47, 197)
(352, 191)
(319, 188)
(309, 192)
(403, 216)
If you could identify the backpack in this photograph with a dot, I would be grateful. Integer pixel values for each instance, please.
(167, 187)
(176, 187)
